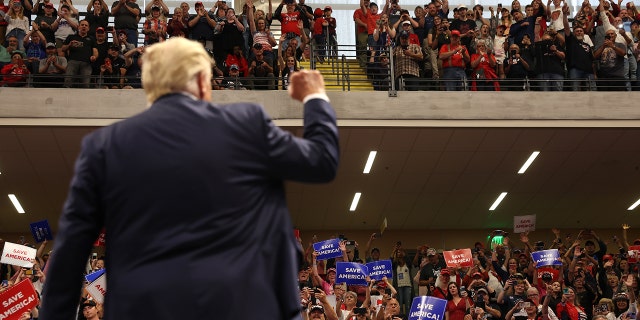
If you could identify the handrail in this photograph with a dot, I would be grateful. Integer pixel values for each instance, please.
(345, 77)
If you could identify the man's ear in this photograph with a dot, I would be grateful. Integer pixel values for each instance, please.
(204, 86)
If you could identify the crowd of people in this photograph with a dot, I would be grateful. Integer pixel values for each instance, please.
(596, 280)
(524, 47)
(534, 47)
(47, 45)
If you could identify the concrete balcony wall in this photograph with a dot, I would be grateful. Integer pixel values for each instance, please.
(29, 106)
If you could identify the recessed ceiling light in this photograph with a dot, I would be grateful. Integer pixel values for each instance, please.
(529, 161)
(498, 200)
(354, 203)
(634, 205)
(367, 166)
(16, 203)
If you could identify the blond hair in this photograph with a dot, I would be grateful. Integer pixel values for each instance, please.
(173, 66)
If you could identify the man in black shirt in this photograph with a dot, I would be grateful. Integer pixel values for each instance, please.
(201, 26)
(465, 25)
(579, 55)
(81, 52)
(549, 55)
(126, 14)
(113, 69)
(261, 70)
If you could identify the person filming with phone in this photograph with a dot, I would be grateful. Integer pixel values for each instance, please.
(483, 307)
(524, 310)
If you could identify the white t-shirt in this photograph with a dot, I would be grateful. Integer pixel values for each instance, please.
(64, 29)
(404, 276)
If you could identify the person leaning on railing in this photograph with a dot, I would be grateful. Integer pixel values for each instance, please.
(51, 68)
(454, 58)
(407, 57)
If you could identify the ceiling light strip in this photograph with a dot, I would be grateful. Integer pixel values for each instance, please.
(497, 202)
(367, 166)
(634, 205)
(16, 203)
(529, 161)
(354, 203)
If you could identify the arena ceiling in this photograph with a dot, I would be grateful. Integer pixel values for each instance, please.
(422, 178)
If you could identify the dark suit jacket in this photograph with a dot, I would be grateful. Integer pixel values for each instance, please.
(192, 198)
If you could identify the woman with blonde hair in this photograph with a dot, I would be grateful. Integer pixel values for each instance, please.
(17, 23)
(604, 308)
(176, 26)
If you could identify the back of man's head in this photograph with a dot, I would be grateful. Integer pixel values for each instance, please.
(173, 66)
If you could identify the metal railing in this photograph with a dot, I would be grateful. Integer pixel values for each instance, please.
(348, 76)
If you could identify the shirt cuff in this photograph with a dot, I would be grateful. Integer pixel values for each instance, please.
(321, 96)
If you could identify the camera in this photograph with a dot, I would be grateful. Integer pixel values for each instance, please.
(547, 276)
(603, 307)
(512, 53)
(479, 299)
(361, 311)
(313, 294)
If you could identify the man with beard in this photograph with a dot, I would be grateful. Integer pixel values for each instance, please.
(580, 59)
(51, 68)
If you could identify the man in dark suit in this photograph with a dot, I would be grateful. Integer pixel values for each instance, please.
(192, 198)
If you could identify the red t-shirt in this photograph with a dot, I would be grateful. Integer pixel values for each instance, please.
(456, 60)
(290, 22)
(372, 20)
(358, 14)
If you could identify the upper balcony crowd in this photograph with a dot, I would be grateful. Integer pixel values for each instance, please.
(524, 47)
